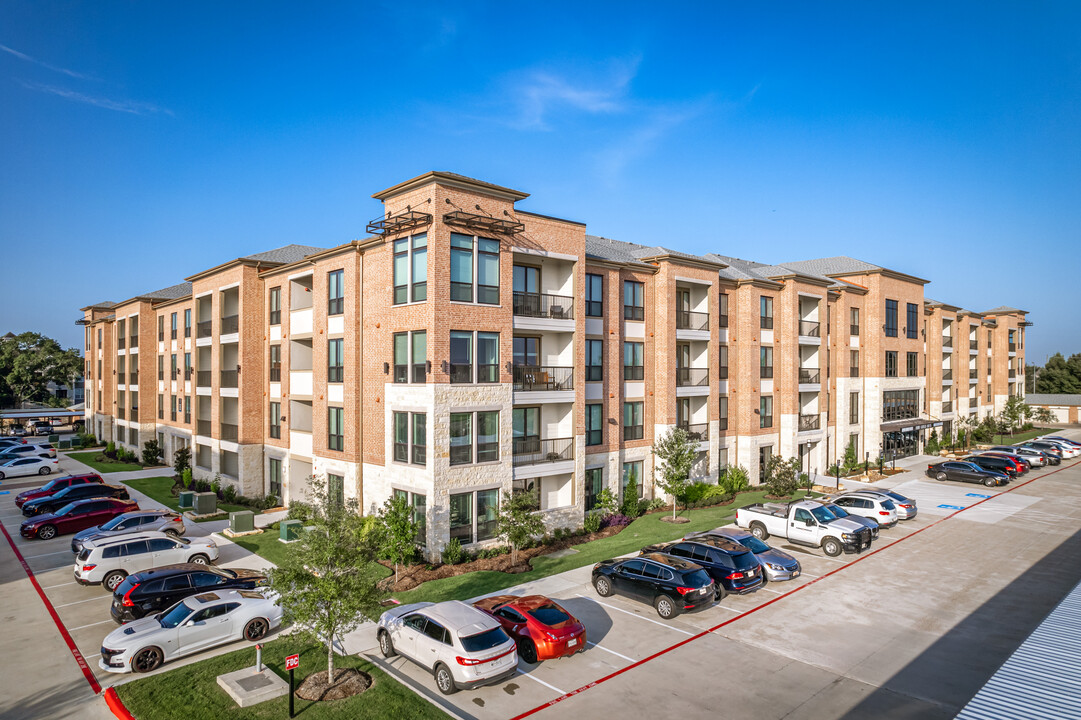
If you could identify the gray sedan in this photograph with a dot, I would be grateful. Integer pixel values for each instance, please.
(777, 564)
(132, 522)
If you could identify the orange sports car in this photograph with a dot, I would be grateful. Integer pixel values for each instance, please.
(541, 629)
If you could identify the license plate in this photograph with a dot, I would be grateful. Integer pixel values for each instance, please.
(795, 573)
(750, 573)
(572, 642)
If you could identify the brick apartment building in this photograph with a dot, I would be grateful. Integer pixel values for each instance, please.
(467, 347)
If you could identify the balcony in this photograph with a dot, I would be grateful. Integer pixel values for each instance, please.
(697, 432)
(810, 376)
(230, 324)
(947, 374)
(687, 320)
(536, 377)
(229, 432)
(692, 377)
(765, 372)
(809, 328)
(947, 406)
(202, 427)
(947, 342)
(543, 305)
(204, 328)
(973, 345)
(534, 451)
(230, 378)
(203, 378)
(809, 422)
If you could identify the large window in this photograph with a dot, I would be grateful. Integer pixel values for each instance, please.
(765, 362)
(335, 428)
(900, 404)
(483, 506)
(891, 318)
(594, 483)
(634, 307)
(594, 295)
(461, 357)
(187, 323)
(474, 269)
(274, 479)
(853, 408)
(912, 364)
(461, 517)
(410, 437)
(722, 412)
(410, 269)
(410, 351)
(594, 360)
(632, 471)
(854, 321)
(335, 360)
(468, 447)
(853, 363)
(765, 312)
(765, 411)
(172, 328)
(594, 424)
(275, 307)
(633, 427)
(336, 292)
(891, 363)
(275, 363)
(634, 361)
(912, 321)
(275, 420)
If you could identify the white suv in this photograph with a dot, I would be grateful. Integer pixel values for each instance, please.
(109, 560)
(872, 506)
(461, 646)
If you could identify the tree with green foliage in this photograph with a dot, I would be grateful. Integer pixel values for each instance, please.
(932, 446)
(1060, 376)
(1014, 413)
(397, 531)
(181, 461)
(607, 503)
(965, 426)
(1043, 415)
(151, 452)
(518, 520)
(782, 476)
(29, 362)
(676, 454)
(328, 580)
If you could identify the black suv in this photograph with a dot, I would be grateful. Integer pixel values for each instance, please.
(733, 567)
(670, 584)
(990, 462)
(151, 591)
(52, 503)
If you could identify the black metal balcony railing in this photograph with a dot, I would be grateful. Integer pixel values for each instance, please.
(543, 305)
(722, 424)
(854, 371)
(765, 372)
(689, 320)
(810, 328)
(229, 432)
(947, 374)
(120, 342)
(120, 413)
(634, 372)
(634, 312)
(229, 378)
(972, 374)
(696, 432)
(204, 378)
(633, 432)
(722, 320)
(947, 341)
(133, 378)
(172, 334)
(947, 406)
(202, 427)
(973, 345)
(536, 377)
(594, 373)
(230, 324)
(534, 451)
(1012, 347)
(276, 374)
(692, 377)
(204, 328)
(809, 376)
(809, 422)
(461, 372)
(722, 372)
(854, 330)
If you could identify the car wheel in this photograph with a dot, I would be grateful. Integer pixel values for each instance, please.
(146, 660)
(112, 581)
(720, 593)
(759, 531)
(989, 482)
(528, 651)
(47, 532)
(1, 476)
(831, 547)
(444, 680)
(44, 470)
(386, 646)
(256, 629)
(200, 559)
(171, 533)
(940, 477)
(603, 586)
(665, 607)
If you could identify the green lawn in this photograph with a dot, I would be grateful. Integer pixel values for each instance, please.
(159, 489)
(192, 692)
(1020, 436)
(265, 544)
(103, 466)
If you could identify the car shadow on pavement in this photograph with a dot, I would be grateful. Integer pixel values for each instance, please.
(62, 701)
(596, 619)
(945, 676)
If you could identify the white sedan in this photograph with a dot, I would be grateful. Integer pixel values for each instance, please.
(19, 466)
(196, 623)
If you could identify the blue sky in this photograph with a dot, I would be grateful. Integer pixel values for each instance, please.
(143, 142)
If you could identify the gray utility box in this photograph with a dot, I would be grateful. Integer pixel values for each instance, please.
(290, 530)
(242, 521)
(206, 503)
(187, 499)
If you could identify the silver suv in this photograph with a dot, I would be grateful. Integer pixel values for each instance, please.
(166, 521)
(109, 560)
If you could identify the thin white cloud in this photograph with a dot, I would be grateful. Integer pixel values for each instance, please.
(613, 160)
(134, 107)
(35, 61)
(539, 95)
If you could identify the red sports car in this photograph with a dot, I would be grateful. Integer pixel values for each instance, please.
(542, 629)
(56, 485)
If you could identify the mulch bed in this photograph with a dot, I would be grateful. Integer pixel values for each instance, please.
(413, 575)
(347, 683)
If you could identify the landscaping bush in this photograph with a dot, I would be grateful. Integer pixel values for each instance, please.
(607, 504)
(185, 479)
(298, 511)
(229, 494)
(593, 522)
(182, 462)
(110, 451)
(657, 504)
(270, 501)
(782, 476)
(453, 554)
(734, 479)
(151, 452)
(617, 519)
(630, 500)
(932, 447)
(87, 441)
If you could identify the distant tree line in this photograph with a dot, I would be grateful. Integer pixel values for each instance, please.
(1059, 375)
(29, 362)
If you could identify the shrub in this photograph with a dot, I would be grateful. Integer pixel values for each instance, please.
(453, 554)
(271, 500)
(657, 504)
(86, 440)
(182, 460)
(229, 494)
(782, 476)
(592, 523)
(110, 451)
(607, 504)
(932, 446)
(215, 486)
(151, 452)
(630, 499)
(617, 519)
(734, 479)
(185, 478)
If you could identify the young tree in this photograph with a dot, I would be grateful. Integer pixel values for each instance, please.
(328, 582)
(677, 453)
(965, 426)
(518, 520)
(181, 461)
(397, 533)
(782, 476)
(1013, 412)
(1043, 415)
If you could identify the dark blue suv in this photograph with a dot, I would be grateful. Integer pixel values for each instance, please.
(732, 566)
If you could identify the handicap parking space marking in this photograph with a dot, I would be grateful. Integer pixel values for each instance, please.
(634, 614)
(536, 679)
(973, 495)
(5, 492)
(609, 650)
(952, 507)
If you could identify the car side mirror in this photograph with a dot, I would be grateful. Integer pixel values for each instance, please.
(189, 623)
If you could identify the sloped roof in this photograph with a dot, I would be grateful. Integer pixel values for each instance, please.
(1052, 399)
(170, 293)
(285, 255)
(602, 248)
(1001, 310)
(838, 265)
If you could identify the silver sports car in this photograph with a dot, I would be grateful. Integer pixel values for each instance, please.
(193, 624)
(778, 564)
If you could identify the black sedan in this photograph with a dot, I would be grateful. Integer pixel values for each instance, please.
(670, 584)
(52, 503)
(966, 472)
(733, 567)
(152, 591)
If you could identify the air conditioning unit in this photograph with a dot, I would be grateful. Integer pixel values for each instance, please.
(289, 530)
(206, 503)
(242, 521)
(187, 499)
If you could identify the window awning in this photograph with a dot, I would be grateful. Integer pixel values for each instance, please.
(910, 424)
(400, 223)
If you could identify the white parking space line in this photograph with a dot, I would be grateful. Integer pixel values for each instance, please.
(67, 565)
(632, 614)
(50, 587)
(12, 517)
(725, 607)
(553, 687)
(803, 574)
(83, 627)
(58, 552)
(80, 602)
(602, 647)
(775, 592)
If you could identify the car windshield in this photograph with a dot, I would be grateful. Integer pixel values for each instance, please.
(174, 615)
(838, 511)
(48, 486)
(822, 515)
(754, 544)
(70, 507)
(897, 496)
(549, 615)
(114, 522)
(485, 640)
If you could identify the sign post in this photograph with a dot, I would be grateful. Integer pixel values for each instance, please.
(292, 662)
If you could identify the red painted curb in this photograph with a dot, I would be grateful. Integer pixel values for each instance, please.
(56, 618)
(117, 705)
(681, 643)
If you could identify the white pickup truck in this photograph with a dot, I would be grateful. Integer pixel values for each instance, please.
(805, 523)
